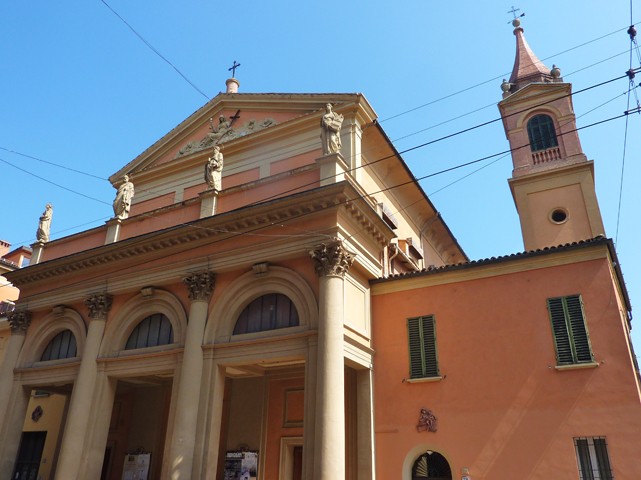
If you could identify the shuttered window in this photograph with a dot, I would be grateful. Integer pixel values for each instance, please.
(569, 329)
(592, 458)
(61, 346)
(269, 312)
(540, 130)
(422, 347)
(152, 331)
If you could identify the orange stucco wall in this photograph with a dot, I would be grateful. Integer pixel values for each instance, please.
(284, 414)
(502, 407)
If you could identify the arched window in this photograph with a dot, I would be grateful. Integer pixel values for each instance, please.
(152, 331)
(269, 312)
(431, 466)
(540, 129)
(61, 346)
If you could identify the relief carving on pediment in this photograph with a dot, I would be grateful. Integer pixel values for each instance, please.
(224, 132)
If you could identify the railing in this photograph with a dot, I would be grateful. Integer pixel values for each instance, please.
(544, 156)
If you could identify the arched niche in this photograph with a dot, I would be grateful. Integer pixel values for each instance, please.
(249, 286)
(124, 322)
(51, 325)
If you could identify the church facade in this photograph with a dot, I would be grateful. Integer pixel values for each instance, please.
(269, 304)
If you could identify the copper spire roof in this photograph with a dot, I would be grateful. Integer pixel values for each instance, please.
(527, 67)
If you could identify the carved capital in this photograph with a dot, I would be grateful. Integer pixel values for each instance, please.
(200, 285)
(99, 305)
(19, 321)
(332, 259)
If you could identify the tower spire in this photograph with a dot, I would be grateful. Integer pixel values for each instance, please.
(552, 182)
(527, 67)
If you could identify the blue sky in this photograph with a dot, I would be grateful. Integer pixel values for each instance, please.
(81, 90)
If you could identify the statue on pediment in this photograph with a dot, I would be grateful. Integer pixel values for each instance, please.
(331, 123)
(122, 202)
(44, 225)
(214, 169)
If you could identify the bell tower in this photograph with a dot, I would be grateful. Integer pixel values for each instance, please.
(552, 181)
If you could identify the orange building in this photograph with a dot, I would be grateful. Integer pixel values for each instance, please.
(267, 304)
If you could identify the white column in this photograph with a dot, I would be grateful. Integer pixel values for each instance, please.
(331, 261)
(75, 440)
(183, 438)
(12, 414)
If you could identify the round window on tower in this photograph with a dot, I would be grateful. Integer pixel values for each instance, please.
(559, 216)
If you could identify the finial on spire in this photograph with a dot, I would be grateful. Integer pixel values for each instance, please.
(516, 23)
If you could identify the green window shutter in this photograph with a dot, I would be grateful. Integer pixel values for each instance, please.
(578, 329)
(570, 332)
(583, 457)
(422, 347)
(603, 461)
(560, 331)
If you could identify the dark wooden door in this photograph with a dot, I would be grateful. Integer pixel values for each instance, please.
(29, 455)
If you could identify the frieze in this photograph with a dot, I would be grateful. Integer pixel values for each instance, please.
(19, 321)
(332, 259)
(200, 285)
(223, 132)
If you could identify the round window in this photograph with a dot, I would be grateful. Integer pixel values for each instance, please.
(559, 215)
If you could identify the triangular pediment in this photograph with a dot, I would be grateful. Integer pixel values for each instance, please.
(536, 90)
(226, 119)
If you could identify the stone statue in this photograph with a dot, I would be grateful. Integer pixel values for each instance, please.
(331, 124)
(214, 169)
(44, 226)
(122, 202)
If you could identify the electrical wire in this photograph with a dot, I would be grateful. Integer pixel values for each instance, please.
(153, 49)
(374, 161)
(232, 235)
(445, 97)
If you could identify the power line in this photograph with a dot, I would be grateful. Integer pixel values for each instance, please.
(53, 183)
(445, 97)
(52, 163)
(153, 49)
(374, 161)
(332, 205)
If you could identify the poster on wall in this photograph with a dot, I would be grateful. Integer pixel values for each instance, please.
(136, 466)
(241, 466)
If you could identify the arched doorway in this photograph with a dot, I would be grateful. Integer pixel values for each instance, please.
(431, 466)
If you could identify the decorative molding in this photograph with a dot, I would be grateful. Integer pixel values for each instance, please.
(200, 285)
(332, 259)
(427, 421)
(147, 292)
(99, 305)
(19, 321)
(223, 133)
(37, 413)
(260, 269)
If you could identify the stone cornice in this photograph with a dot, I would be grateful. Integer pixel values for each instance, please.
(188, 236)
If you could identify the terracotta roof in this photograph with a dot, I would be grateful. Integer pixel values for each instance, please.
(527, 67)
(486, 261)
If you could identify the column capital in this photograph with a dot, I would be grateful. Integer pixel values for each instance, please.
(200, 285)
(99, 305)
(332, 258)
(19, 321)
